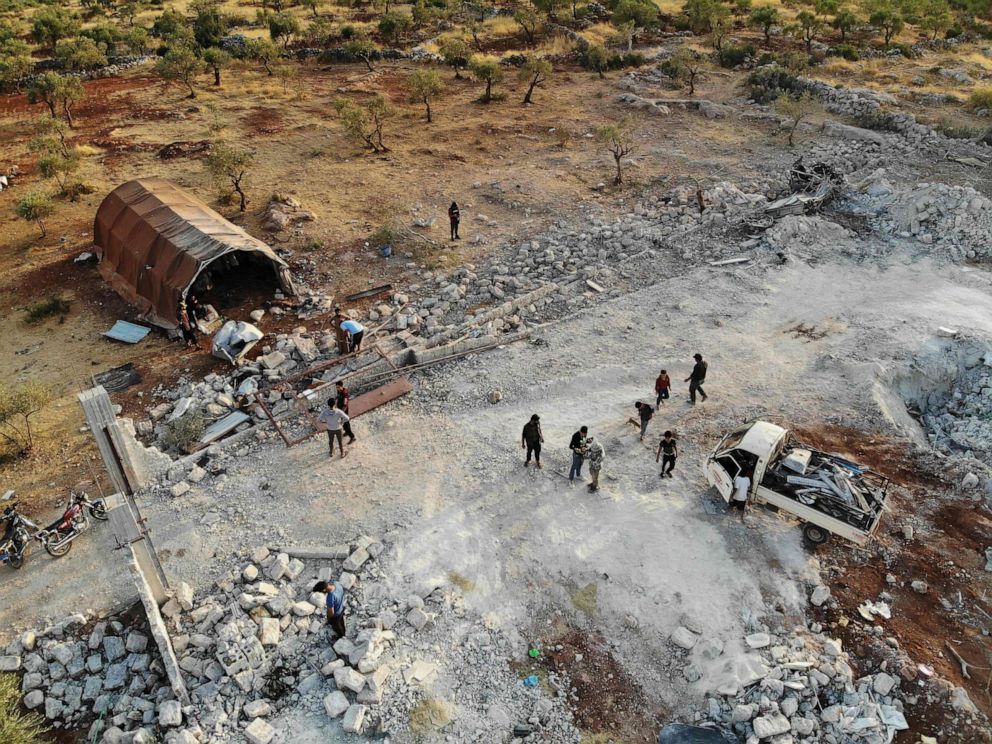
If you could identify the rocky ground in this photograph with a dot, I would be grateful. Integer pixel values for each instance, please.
(643, 593)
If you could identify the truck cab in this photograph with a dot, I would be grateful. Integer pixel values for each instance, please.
(827, 492)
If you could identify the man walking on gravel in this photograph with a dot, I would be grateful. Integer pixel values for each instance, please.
(595, 454)
(332, 419)
(662, 386)
(343, 399)
(696, 378)
(578, 447)
(335, 606)
(668, 452)
(644, 413)
(531, 440)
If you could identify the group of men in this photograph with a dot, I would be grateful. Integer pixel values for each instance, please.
(585, 447)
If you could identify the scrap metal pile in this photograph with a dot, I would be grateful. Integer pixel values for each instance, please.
(830, 484)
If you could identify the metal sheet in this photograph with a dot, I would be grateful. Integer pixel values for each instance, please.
(369, 292)
(129, 333)
(222, 426)
(375, 398)
(118, 378)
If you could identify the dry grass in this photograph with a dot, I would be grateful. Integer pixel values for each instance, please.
(429, 715)
(586, 599)
(17, 726)
(462, 582)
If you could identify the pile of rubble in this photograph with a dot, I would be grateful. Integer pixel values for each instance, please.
(799, 234)
(800, 688)
(74, 673)
(955, 217)
(284, 212)
(258, 646)
(960, 421)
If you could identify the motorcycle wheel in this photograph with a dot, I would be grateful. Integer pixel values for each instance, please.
(58, 551)
(98, 511)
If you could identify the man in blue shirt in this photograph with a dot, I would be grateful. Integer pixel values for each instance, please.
(335, 605)
(357, 330)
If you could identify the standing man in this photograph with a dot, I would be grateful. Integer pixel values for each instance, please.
(696, 378)
(187, 326)
(332, 419)
(644, 412)
(662, 386)
(343, 399)
(335, 606)
(531, 440)
(454, 217)
(668, 451)
(355, 332)
(742, 485)
(340, 333)
(578, 447)
(595, 455)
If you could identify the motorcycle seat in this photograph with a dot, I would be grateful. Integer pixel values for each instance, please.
(8, 531)
(54, 524)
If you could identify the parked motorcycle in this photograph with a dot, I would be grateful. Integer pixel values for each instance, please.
(58, 536)
(15, 537)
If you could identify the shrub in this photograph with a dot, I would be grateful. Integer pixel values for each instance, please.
(16, 725)
(766, 84)
(54, 305)
(17, 406)
(846, 51)
(981, 99)
(735, 55)
(906, 50)
(183, 433)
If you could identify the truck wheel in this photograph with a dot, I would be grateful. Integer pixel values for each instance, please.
(815, 534)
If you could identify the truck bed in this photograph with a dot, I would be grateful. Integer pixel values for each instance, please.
(831, 485)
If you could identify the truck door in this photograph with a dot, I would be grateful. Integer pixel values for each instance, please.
(721, 469)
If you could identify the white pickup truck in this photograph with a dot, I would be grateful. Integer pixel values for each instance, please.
(826, 492)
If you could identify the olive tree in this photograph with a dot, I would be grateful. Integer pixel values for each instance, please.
(81, 54)
(764, 17)
(36, 207)
(597, 59)
(365, 122)
(844, 21)
(486, 69)
(15, 64)
(229, 167)
(57, 92)
(180, 65)
(618, 138)
(52, 24)
(455, 53)
(423, 86)
(363, 48)
(534, 72)
(56, 159)
(216, 59)
(796, 109)
(17, 406)
(685, 67)
(263, 51)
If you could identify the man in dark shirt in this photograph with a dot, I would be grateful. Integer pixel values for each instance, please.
(644, 412)
(335, 605)
(344, 397)
(696, 378)
(578, 447)
(668, 451)
(531, 440)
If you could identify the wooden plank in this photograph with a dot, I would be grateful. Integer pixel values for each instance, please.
(728, 261)
(369, 292)
(375, 398)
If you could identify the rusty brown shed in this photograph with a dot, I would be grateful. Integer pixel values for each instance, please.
(154, 240)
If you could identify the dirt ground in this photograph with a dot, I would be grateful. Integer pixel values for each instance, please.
(621, 568)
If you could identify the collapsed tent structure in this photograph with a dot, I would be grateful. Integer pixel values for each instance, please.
(155, 241)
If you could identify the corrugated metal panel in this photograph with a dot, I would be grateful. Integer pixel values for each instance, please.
(129, 333)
